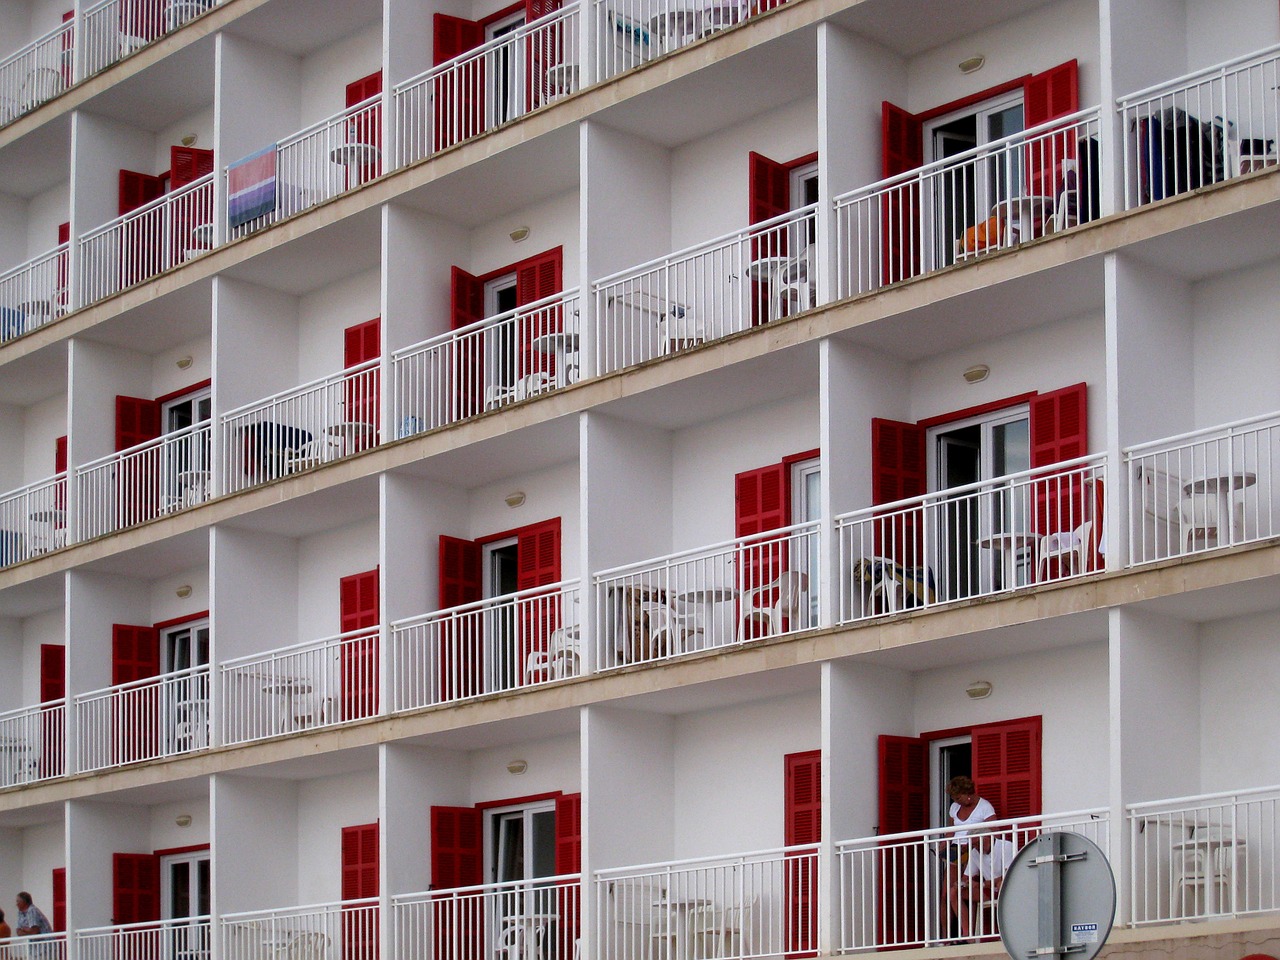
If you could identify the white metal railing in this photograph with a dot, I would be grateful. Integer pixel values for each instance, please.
(33, 293)
(629, 33)
(748, 905)
(1206, 489)
(145, 242)
(299, 428)
(313, 684)
(324, 160)
(33, 743)
(186, 938)
(36, 73)
(1201, 128)
(895, 891)
(33, 520)
(516, 920)
(1038, 526)
(1204, 856)
(502, 643)
(157, 717)
(729, 593)
(346, 930)
(487, 364)
(117, 28)
(49, 946)
(488, 86)
(752, 276)
(986, 199)
(150, 480)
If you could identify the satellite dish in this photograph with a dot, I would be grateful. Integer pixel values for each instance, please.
(1058, 899)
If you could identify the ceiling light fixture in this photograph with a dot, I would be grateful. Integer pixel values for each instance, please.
(519, 233)
(184, 591)
(977, 373)
(184, 362)
(978, 690)
(189, 140)
(515, 499)
(972, 64)
(517, 767)
(183, 820)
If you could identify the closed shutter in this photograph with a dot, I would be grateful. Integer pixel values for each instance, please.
(802, 810)
(568, 862)
(545, 49)
(359, 881)
(188, 164)
(135, 887)
(466, 306)
(137, 421)
(899, 470)
(460, 656)
(360, 344)
(901, 149)
(902, 788)
(366, 127)
(1059, 431)
(537, 564)
(762, 501)
(1006, 766)
(135, 655)
(1047, 96)
(538, 277)
(768, 196)
(457, 96)
(358, 611)
(53, 690)
(457, 860)
(59, 918)
(53, 672)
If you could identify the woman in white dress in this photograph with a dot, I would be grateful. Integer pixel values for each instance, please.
(966, 811)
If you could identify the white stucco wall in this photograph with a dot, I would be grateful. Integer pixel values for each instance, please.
(324, 314)
(323, 560)
(325, 806)
(1239, 712)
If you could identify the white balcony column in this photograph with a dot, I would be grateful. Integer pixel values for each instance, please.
(588, 315)
(219, 205)
(586, 892)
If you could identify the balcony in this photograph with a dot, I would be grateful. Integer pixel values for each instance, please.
(183, 938)
(52, 946)
(742, 906)
(491, 646)
(36, 73)
(1044, 525)
(300, 428)
(314, 684)
(33, 520)
(31, 743)
(1201, 129)
(33, 293)
(117, 29)
(724, 595)
(486, 365)
(162, 716)
(516, 919)
(497, 82)
(345, 930)
(708, 291)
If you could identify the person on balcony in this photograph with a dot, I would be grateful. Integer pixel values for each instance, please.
(5, 932)
(967, 809)
(31, 921)
(979, 887)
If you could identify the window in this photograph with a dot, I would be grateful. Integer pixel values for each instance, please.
(505, 89)
(499, 340)
(806, 506)
(184, 648)
(185, 478)
(184, 889)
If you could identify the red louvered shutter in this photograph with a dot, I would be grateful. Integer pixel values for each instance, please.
(460, 656)
(60, 295)
(59, 917)
(366, 127)
(802, 811)
(53, 670)
(135, 888)
(457, 860)
(1059, 431)
(762, 501)
(903, 806)
(68, 47)
(141, 241)
(137, 482)
(1047, 96)
(187, 165)
(537, 564)
(53, 689)
(60, 469)
(568, 862)
(457, 97)
(901, 149)
(358, 611)
(538, 277)
(360, 344)
(137, 189)
(1006, 766)
(545, 49)
(141, 20)
(137, 421)
(359, 882)
(466, 306)
(768, 196)
(135, 655)
(899, 470)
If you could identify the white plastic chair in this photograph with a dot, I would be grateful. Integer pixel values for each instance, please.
(784, 598)
(530, 385)
(562, 658)
(668, 630)
(679, 329)
(1200, 517)
(1070, 550)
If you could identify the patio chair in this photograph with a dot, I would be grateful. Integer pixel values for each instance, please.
(679, 328)
(308, 946)
(1200, 517)
(562, 658)
(311, 454)
(530, 385)
(1069, 550)
(786, 599)
(669, 631)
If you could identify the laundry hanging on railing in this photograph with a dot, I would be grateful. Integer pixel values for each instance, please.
(251, 187)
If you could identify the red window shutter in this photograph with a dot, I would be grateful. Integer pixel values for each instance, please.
(358, 600)
(358, 91)
(188, 164)
(461, 645)
(53, 672)
(360, 861)
(1006, 766)
(137, 189)
(135, 887)
(454, 36)
(366, 125)
(137, 421)
(569, 833)
(135, 653)
(1059, 431)
(762, 502)
(59, 917)
(901, 149)
(466, 298)
(459, 572)
(360, 344)
(901, 140)
(60, 455)
(802, 806)
(466, 306)
(64, 236)
(538, 554)
(64, 232)
(535, 9)
(539, 276)
(358, 663)
(902, 786)
(457, 102)
(899, 470)
(1054, 93)
(457, 859)
(768, 195)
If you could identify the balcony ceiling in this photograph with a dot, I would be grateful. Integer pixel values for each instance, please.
(194, 790)
(909, 27)
(318, 259)
(325, 510)
(541, 726)
(300, 27)
(334, 763)
(32, 816)
(178, 86)
(706, 697)
(723, 94)
(1220, 246)
(35, 377)
(186, 551)
(38, 162)
(1240, 599)
(511, 455)
(158, 325)
(46, 595)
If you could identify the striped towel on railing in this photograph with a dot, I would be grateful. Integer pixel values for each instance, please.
(251, 187)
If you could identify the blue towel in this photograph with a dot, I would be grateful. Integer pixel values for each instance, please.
(12, 323)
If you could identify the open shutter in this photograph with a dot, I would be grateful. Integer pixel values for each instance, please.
(67, 50)
(1047, 96)
(137, 189)
(188, 164)
(802, 806)
(537, 563)
(547, 48)
(140, 20)
(366, 126)
(457, 96)
(61, 294)
(466, 306)
(135, 888)
(358, 611)
(903, 783)
(53, 690)
(460, 657)
(137, 421)
(141, 251)
(1006, 766)
(898, 470)
(457, 860)
(53, 672)
(137, 482)
(768, 195)
(135, 653)
(538, 277)
(568, 861)
(762, 500)
(1059, 431)
(60, 470)
(59, 918)
(359, 881)
(360, 344)
(901, 149)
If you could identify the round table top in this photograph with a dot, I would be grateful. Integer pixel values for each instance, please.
(202, 232)
(1029, 202)
(674, 19)
(287, 687)
(710, 595)
(349, 153)
(999, 541)
(1234, 481)
(353, 428)
(555, 340)
(764, 268)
